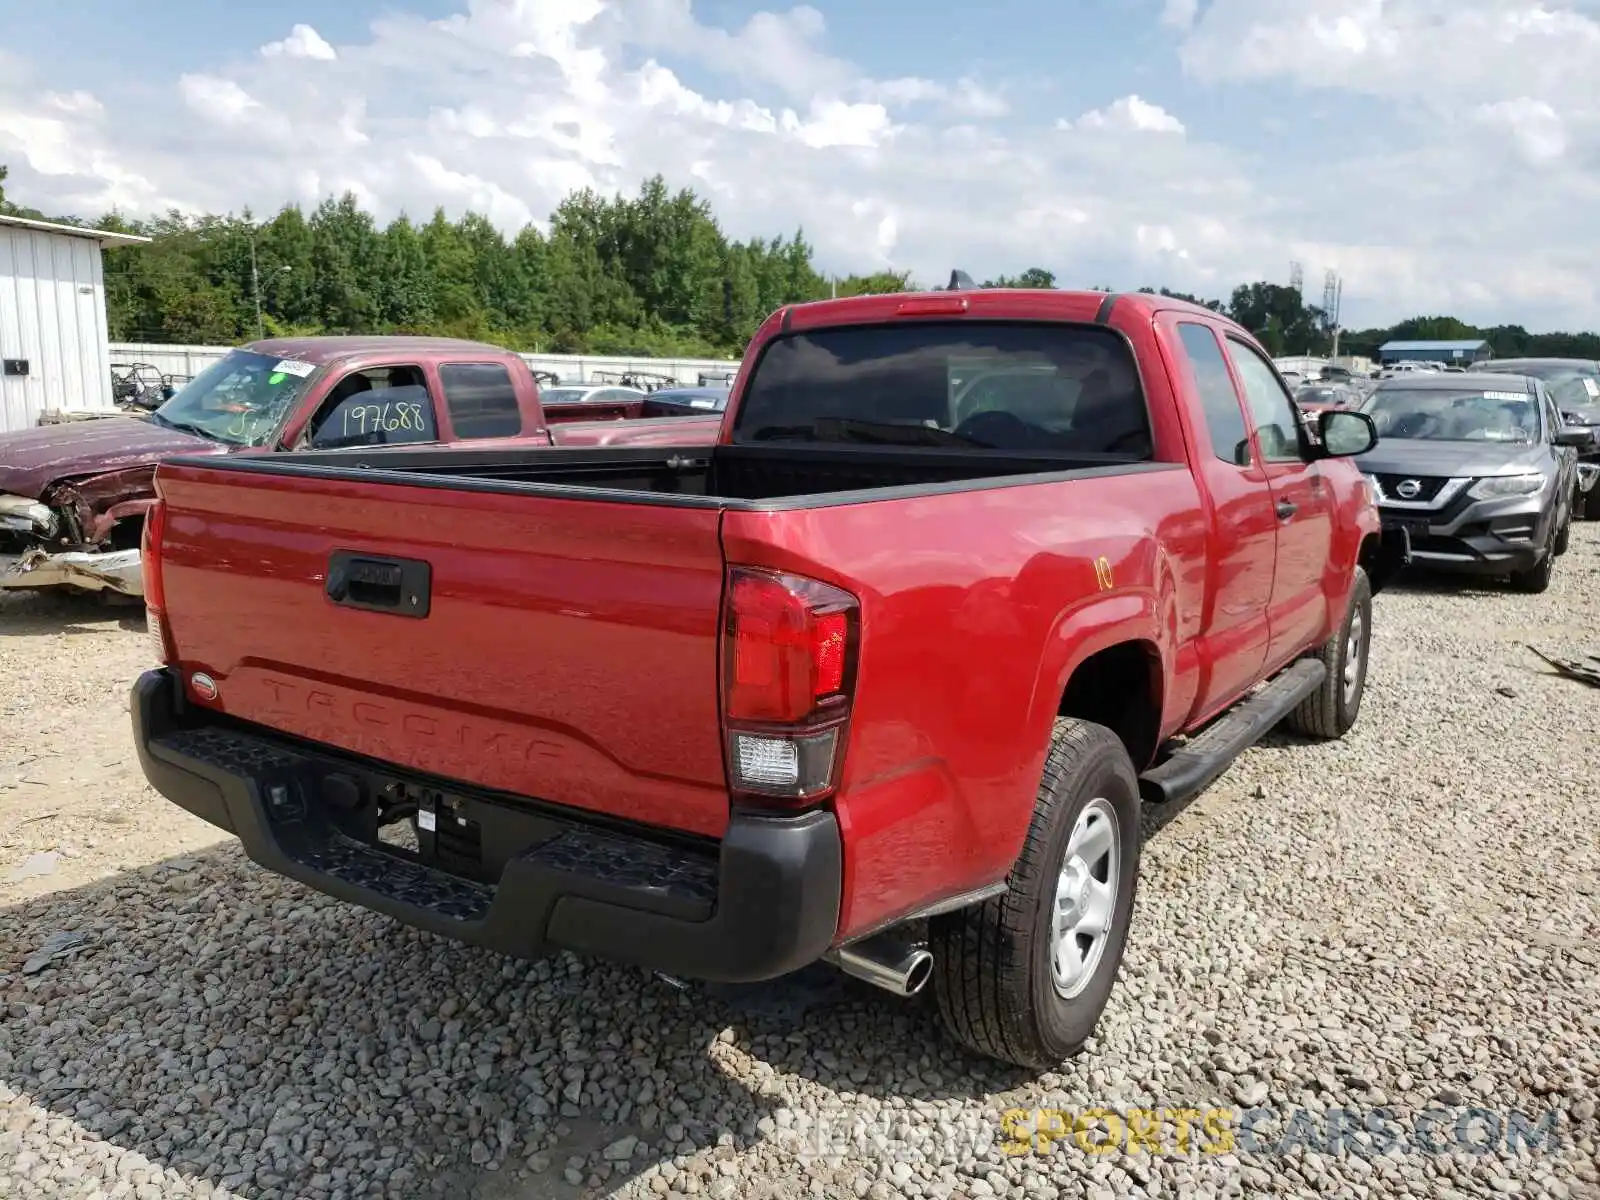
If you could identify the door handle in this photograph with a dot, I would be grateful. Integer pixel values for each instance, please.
(1287, 509)
(395, 585)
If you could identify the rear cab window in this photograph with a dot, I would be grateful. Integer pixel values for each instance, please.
(481, 399)
(1027, 388)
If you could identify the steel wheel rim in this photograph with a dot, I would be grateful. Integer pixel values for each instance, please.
(1085, 901)
(1352, 655)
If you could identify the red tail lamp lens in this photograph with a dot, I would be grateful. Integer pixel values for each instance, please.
(789, 646)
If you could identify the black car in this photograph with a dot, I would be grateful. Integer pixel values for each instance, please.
(685, 402)
(1477, 469)
(1575, 384)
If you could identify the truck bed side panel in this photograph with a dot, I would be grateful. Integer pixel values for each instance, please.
(644, 431)
(973, 609)
(570, 653)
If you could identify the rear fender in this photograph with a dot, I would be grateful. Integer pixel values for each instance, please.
(1084, 631)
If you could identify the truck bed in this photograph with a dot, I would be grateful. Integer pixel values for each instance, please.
(561, 638)
(722, 476)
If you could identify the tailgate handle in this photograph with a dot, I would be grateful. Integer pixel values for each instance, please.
(402, 586)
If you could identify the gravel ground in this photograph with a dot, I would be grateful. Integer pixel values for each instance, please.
(1407, 920)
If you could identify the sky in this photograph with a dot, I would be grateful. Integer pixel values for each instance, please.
(1443, 156)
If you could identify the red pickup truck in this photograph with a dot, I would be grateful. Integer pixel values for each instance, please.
(73, 495)
(881, 678)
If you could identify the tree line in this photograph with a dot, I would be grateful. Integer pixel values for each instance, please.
(651, 274)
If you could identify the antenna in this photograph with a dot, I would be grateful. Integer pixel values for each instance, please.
(1297, 277)
(960, 281)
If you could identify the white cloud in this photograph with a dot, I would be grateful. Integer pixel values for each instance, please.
(1473, 194)
(1180, 14)
(1496, 104)
(834, 123)
(76, 103)
(1536, 128)
(1128, 115)
(218, 99)
(302, 42)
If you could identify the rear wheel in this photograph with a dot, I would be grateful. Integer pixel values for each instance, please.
(1025, 976)
(1331, 710)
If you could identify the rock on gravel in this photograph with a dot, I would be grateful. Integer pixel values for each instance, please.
(1409, 919)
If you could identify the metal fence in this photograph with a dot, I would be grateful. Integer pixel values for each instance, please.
(571, 368)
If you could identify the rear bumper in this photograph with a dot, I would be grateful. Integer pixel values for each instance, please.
(759, 904)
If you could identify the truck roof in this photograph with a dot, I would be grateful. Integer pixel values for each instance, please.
(322, 350)
(1481, 380)
(1022, 303)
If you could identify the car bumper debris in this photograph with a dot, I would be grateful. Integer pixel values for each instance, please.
(86, 570)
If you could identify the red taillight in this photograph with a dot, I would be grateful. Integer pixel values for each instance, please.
(155, 525)
(830, 633)
(155, 595)
(787, 646)
(788, 667)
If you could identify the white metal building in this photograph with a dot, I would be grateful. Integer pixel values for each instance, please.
(53, 337)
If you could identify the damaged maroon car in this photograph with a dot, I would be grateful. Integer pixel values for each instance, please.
(73, 496)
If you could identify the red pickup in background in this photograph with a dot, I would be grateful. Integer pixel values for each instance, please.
(73, 495)
(883, 677)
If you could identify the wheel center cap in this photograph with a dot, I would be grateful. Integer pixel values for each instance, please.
(1075, 886)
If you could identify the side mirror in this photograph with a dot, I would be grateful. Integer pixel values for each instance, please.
(1344, 433)
(1578, 438)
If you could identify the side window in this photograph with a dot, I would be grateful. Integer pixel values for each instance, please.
(1277, 420)
(482, 400)
(1230, 440)
(381, 406)
(1552, 415)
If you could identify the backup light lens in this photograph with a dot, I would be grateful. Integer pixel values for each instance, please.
(795, 767)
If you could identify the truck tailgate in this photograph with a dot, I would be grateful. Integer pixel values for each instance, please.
(568, 652)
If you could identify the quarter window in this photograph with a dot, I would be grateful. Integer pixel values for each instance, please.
(482, 400)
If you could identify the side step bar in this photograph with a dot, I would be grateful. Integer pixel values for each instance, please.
(1196, 766)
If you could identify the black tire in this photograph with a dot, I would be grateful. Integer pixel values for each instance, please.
(1535, 579)
(1563, 535)
(992, 961)
(1331, 710)
(1589, 504)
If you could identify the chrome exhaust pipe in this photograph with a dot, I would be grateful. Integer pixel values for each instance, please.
(892, 965)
